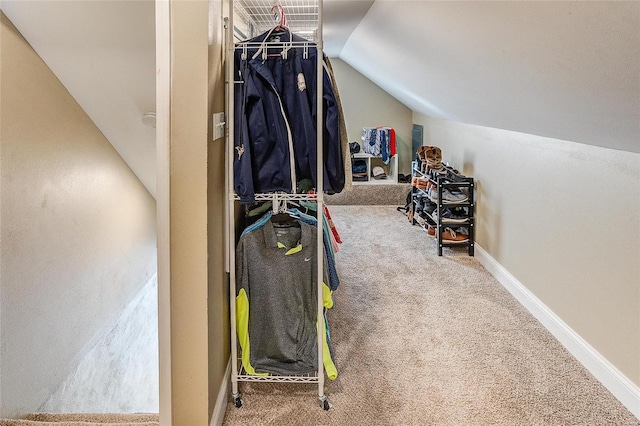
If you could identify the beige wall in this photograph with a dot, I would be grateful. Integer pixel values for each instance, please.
(367, 105)
(192, 284)
(564, 219)
(187, 197)
(78, 229)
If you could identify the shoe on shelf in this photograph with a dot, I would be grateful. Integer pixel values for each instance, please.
(435, 173)
(451, 236)
(431, 231)
(428, 206)
(448, 216)
(447, 196)
(420, 182)
(454, 197)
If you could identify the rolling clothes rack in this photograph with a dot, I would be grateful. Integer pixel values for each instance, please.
(237, 373)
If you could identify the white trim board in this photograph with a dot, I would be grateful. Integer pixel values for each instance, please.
(223, 396)
(616, 382)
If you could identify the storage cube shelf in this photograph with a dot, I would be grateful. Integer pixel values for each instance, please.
(390, 169)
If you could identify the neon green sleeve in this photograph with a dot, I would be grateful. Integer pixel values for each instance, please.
(242, 326)
(329, 366)
(327, 296)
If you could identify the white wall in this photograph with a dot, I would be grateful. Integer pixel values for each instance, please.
(120, 373)
(78, 230)
(564, 219)
(367, 105)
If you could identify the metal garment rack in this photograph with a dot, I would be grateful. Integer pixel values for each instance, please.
(303, 17)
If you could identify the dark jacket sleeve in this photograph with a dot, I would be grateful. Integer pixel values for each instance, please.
(242, 170)
(333, 164)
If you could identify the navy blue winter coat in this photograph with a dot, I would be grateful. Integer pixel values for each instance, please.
(275, 120)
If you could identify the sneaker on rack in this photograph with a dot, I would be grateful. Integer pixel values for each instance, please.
(454, 197)
(428, 205)
(451, 236)
(448, 196)
(448, 216)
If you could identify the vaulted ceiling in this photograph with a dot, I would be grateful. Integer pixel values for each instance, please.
(566, 70)
(103, 52)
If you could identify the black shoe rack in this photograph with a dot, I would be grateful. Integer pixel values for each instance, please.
(424, 205)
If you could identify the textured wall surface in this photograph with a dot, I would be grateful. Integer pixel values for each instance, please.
(120, 373)
(564, 219)
(78, 230)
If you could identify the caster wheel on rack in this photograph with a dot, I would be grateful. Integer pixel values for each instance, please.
(237, 401)
(324, 403)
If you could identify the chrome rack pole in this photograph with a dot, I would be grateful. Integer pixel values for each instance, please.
(320, 200)
(231, 264)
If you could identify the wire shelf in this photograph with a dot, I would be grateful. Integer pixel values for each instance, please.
(278, 196)
(243, 376)
(302, 16)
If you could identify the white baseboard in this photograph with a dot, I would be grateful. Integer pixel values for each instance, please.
(616, 382)
(223, 397)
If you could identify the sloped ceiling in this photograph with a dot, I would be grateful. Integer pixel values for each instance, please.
(340, 18)
(103, 52)
(567, 70)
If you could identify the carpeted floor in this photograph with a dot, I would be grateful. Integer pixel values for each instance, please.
(84, 419)
(427, 340)
(371, 194)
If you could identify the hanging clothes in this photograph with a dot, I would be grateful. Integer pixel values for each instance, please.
(275, 111)
(276, 302)
(379, 142)
(344, 137)
(330, 237)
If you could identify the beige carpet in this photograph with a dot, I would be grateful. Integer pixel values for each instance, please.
(371, 194)
(427, 340)
(89, 419)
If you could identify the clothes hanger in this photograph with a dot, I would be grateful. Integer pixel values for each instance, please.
(280, 17)
(280, 28)
(283, 217)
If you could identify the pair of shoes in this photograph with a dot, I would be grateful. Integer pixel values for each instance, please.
(429, 156)
(447, 196)
(404, 178)
(451, 236)
(449, 216)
